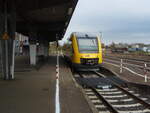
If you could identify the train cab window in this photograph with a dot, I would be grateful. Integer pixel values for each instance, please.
(89, 45)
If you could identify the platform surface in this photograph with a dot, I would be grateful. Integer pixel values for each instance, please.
(34, 91)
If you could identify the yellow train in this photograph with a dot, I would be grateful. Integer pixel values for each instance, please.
(86, 52)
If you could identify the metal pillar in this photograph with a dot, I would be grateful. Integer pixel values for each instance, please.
(33, 47)
(46, 49)
(7, 34)
(33, 54)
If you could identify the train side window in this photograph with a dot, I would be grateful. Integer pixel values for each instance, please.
(72, 49)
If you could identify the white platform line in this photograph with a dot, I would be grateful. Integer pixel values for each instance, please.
(57, 102)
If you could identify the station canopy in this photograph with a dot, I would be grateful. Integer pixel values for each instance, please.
(43, 18)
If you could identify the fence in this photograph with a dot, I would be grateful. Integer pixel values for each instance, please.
(128, 64)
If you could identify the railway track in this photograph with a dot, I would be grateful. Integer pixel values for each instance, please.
(116, 99)
(136, 67)
(129, 61)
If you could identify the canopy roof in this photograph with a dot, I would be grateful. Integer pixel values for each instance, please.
(45, 18)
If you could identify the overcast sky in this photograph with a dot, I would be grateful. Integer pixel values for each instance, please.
(118, 20)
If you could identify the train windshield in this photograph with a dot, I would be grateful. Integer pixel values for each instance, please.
(88, 45)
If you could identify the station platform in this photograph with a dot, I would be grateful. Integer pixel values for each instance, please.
(34, 91)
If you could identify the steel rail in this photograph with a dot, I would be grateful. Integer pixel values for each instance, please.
(128, 59)
(125, 91)
(100, 97)
(111, 108)
(129, 64)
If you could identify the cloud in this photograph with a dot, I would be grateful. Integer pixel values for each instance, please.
(119, 20)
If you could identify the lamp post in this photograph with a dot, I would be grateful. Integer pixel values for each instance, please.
(101, 34)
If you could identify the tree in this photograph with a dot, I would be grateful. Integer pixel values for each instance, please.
(112, 45)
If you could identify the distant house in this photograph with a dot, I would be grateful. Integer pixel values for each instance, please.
(148, 49)
(120, 48)
(132, 49)
(136, 47)
(145, 49)
(125, 48)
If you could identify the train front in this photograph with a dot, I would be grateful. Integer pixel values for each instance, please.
(88, 53)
